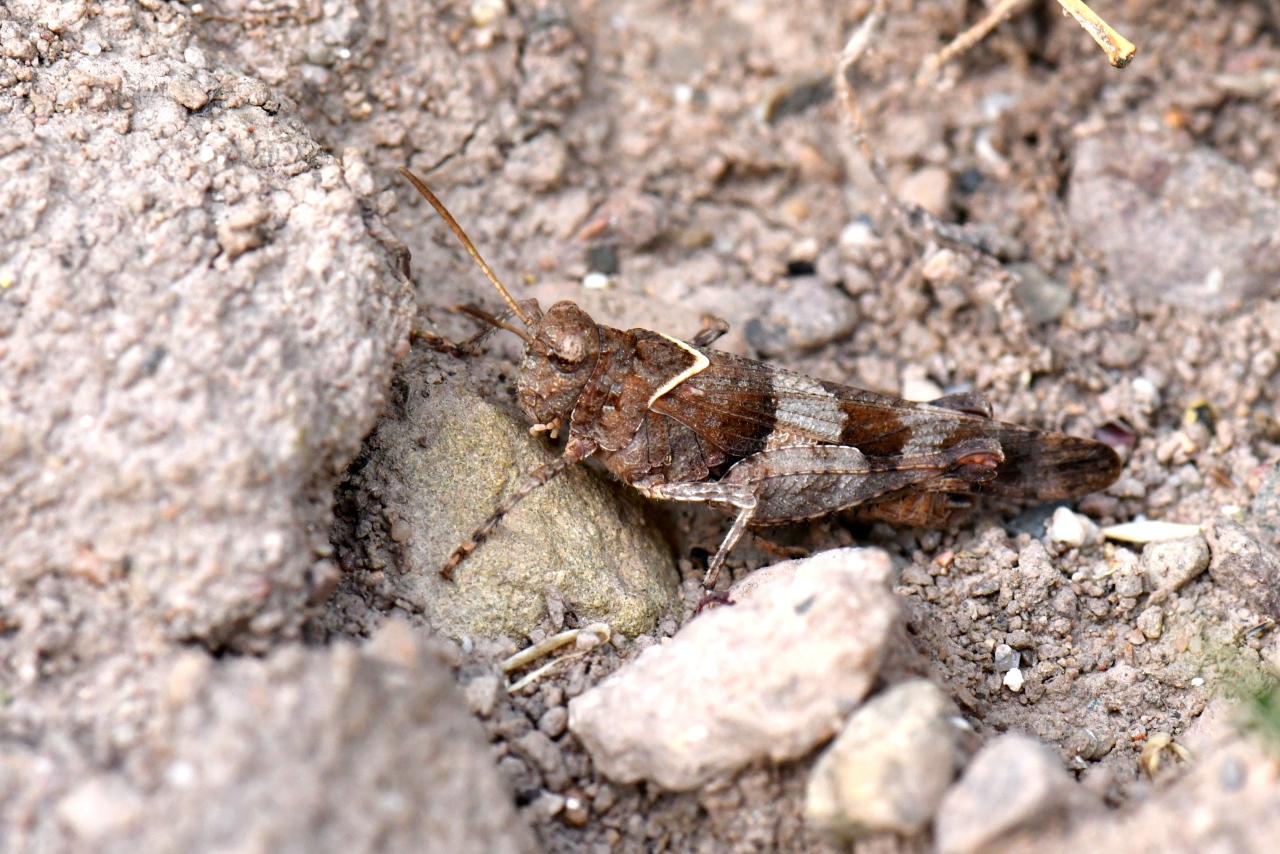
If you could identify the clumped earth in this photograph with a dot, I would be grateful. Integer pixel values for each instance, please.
(220, 623)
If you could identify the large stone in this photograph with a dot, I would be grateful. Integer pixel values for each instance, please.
(335, 749)
(196, 328)
(1245, 566)
(1173, 221)
(1013, 783)
(441, 463)
(889, 768)
(767, 678)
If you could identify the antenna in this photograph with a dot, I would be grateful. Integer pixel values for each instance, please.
(466, 242)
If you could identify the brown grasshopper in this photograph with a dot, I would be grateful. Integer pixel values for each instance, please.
(681, 421)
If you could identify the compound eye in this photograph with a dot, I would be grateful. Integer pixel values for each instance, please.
(561, 364)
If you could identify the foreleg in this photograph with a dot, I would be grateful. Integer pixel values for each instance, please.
(578, 449)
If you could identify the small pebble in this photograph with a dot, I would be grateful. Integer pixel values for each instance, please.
(1089, 746)
(1128, 584)
(1013, 680)
(857, 239)
(1013, 783)
(1171, 564)
(92, 48)
(888, 770)
(945, 266)
(1044, 299)
(920, 389)
(929, 187)
(1066, 528)
(577, 808)
(554, 721)
(400, 530)
(1197, 681)
(482, 694)
(1150, 622)
(546, 807)
(1006, 658)
(596, 280)
(487, 12)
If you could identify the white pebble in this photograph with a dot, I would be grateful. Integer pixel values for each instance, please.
(1066, 528)
(486, 12)
(595, 281)
(1146, 391)
(1013, 680)
(1149, 531)
(92, 48)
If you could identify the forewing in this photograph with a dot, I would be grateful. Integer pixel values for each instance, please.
(742, 407)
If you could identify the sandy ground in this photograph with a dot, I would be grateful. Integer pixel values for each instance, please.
(693, 154)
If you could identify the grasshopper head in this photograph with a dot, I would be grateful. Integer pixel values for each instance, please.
(558, 362)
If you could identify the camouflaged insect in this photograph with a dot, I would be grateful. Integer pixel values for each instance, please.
(681, 421)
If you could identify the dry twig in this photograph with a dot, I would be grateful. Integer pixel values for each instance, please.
(1120, 51)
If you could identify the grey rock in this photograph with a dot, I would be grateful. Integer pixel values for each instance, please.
(1005, 657)
(445, 459)
(1014, 782)
(770, 677)
(335, 749)
(1171, 564)
(889, 768)
(173, 411)
(1175, 222)
(806, 315)
(1044, 299)
(1244, 566)
(1265, 507)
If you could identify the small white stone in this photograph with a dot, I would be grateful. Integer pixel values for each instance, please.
(857, 235)
(1066, 528)
(1197, 681)
(596, 280)
(682, 93)
(1013, 679)
(1145, 390)
(487, 12)
(92, 48)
